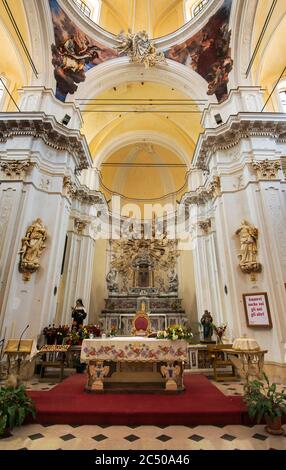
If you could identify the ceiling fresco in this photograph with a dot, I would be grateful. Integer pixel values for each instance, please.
(207, 52)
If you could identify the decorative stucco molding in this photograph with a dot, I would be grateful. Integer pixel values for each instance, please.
(241, 126)
(267, 169)
(16, 168)
(39, 126)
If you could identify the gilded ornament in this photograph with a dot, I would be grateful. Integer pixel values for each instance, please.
(139, 48)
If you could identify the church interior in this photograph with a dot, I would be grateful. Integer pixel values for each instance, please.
(142, 222)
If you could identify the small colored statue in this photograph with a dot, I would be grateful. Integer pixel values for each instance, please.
(207, 322)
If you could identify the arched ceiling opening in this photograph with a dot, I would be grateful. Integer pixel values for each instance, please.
(158, 18)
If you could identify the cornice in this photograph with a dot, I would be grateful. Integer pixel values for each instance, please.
(238, 127)
(55, 135)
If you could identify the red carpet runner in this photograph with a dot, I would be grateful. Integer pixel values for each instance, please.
(201, 403)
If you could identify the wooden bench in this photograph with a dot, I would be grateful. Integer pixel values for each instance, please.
(54, 356)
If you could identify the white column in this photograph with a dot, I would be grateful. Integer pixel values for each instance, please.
(77, 273)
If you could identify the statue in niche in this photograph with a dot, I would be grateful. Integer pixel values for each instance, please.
(207, 322)
(112, 284)
(248, 235)
(173, 281)
(32, 248)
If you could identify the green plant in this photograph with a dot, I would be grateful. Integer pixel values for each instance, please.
(15, 405)
(263, 400)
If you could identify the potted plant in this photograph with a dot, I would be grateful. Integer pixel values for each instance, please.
(264, 401)
(15, 405)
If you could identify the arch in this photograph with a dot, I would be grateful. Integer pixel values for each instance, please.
(141, 136)
(117, 71)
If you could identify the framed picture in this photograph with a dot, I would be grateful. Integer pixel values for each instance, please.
(257, 310)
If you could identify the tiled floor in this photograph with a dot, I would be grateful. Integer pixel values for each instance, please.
(36, 436)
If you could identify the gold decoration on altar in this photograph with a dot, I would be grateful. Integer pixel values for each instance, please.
(163, 253)
(139, 48)
(32, 248)
(248, 235)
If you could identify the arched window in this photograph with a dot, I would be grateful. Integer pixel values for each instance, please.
(90, 8)
(193, 8)
(282, 94)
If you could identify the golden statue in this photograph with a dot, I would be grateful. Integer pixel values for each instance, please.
(32, 247)
(248, 235)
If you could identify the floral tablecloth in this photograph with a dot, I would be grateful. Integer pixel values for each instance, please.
(126, 349)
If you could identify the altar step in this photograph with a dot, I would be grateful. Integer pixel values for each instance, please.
(200, 403)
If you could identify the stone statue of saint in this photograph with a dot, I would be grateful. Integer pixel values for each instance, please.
(32, 247)
(207, 321)
(173, 281)
(248, 235)
(112, 285)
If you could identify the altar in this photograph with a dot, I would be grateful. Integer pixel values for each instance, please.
(134, 364)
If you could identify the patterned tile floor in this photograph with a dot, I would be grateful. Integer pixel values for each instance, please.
(38, 437)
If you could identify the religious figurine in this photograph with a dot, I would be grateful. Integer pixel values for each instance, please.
(112, 285)
(207, 321)
(78, 314)
(173, 281)
(32, 248)
(139, 48)
(96, 372)
(248, 235)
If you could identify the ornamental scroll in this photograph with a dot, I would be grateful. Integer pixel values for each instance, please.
(32, 248)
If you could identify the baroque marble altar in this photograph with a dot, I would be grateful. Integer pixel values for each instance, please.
(142, 271)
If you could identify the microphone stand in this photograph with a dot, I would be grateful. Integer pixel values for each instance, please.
(19, 360)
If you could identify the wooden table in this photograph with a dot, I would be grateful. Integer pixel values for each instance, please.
(248, 363)
(134, 364)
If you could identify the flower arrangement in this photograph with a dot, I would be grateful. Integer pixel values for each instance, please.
(56, 335)
(76, 337)
(175, 332)
(113, 331)
(219, 330)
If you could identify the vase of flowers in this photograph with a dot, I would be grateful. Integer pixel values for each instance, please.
(175, 332)
(219, 330)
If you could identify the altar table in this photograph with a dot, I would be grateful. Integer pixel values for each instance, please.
(134, 363)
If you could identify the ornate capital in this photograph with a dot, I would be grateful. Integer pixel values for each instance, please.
(16, 168)
(83, 195)
(205, 225)
(80, 225)
(267, 169)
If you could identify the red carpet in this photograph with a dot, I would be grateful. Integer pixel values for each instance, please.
(200, 403)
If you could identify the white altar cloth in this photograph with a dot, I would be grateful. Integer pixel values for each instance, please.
(134, 348)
